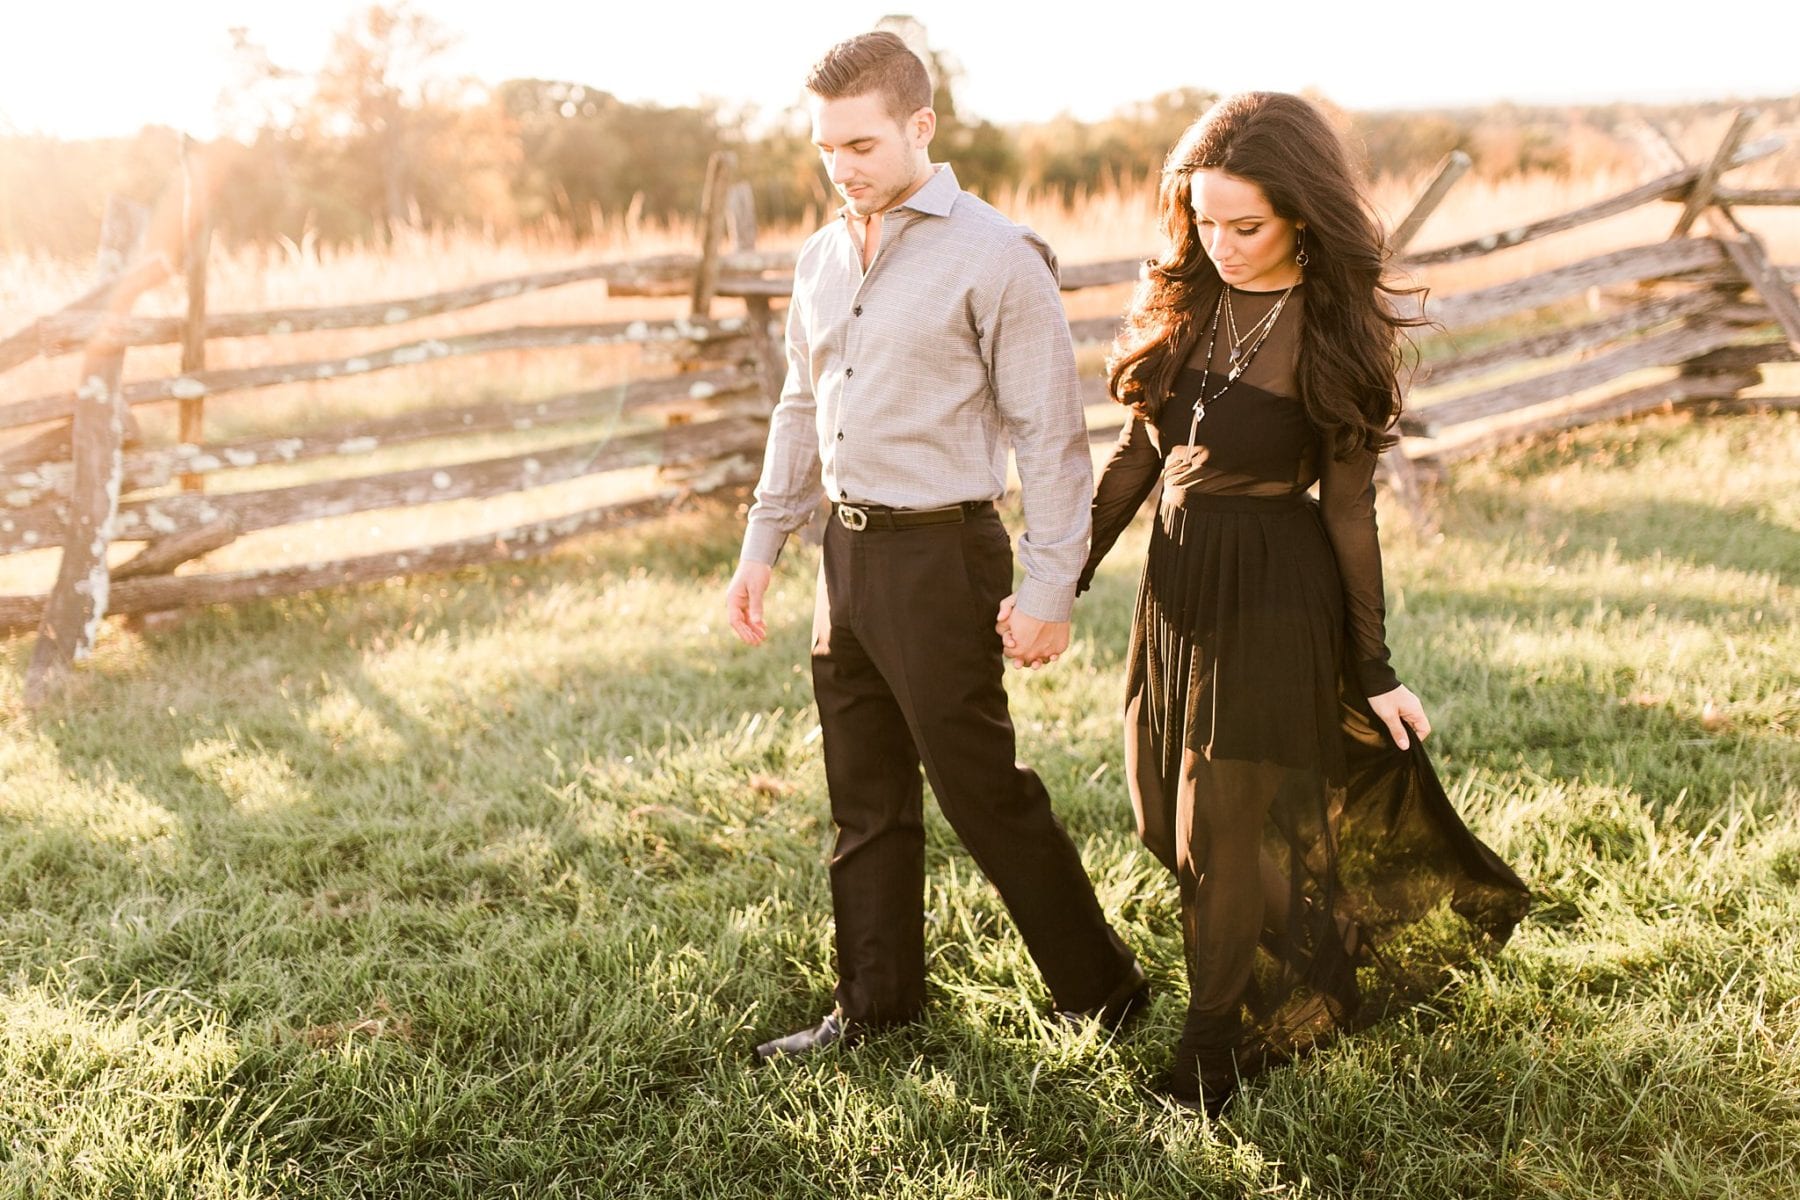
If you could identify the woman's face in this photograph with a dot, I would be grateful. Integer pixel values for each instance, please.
(1251, 246)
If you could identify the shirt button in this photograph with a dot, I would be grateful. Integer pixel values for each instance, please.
(849, 371)
(857, 311)
(840, 437)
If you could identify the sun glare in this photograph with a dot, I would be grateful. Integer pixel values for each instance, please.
(109, 67)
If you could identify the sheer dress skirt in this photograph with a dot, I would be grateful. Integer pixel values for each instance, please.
(1305, 843)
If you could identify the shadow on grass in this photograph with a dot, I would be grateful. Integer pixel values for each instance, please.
(273, 745)
(267, 666)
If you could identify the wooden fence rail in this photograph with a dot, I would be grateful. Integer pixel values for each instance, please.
(722, 389)
(1701, 314)
(694, 333)
(74, 327)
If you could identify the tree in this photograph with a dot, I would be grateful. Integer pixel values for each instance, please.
(383, 123)
(1067, 156)
(584, 153)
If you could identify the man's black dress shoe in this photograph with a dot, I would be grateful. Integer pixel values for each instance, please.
(1118, 1010)
(828, 1032)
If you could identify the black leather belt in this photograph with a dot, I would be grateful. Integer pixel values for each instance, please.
(857, 517)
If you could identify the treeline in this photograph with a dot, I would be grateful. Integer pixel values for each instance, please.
(375, 140)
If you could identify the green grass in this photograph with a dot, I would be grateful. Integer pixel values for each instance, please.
(483, 885)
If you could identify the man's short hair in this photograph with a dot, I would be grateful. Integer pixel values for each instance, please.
(878, 63)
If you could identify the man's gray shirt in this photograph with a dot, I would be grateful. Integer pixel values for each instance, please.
(906, 385)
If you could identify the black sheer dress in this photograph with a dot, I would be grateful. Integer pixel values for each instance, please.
(1324, 874)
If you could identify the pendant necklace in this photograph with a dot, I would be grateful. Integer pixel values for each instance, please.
(1268, 320)
(1239, 364)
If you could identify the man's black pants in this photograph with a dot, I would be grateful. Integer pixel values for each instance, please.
(908, 671)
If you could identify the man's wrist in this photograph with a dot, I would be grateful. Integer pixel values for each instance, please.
(1048, 602)
(762, 544)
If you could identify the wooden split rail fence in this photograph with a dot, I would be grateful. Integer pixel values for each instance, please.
(1707, 311)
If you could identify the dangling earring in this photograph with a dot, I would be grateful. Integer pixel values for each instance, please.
(1301, 257)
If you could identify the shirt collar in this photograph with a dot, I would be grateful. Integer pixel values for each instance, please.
(935, 197)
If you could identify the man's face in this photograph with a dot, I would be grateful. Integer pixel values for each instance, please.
(873, 160)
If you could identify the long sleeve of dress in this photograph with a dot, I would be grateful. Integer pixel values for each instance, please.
(1347, 505)
(1130, 472)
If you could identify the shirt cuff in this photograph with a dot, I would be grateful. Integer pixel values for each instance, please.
(763, 543)
(1376, 676)
(1045, 601)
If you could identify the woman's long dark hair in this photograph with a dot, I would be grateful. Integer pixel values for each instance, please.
(1350, 355)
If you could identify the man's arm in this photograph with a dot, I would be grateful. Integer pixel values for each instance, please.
(1032, 364)
(790, 487)
(787, 493)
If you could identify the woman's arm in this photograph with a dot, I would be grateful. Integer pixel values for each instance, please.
(1347, 505)
(1130, 472)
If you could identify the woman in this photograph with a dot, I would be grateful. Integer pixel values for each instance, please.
(1273, 758)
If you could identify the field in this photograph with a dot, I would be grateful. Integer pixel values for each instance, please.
(483, 885)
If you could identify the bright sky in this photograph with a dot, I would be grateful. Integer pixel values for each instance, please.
(111, 66)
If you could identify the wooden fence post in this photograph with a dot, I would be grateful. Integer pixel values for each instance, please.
(1752, 260)
(765, 341)
(123, 220)
(1654, 143)
(1745, 249)
(1454, 167)
(1700, 196)
(197, 225)
(719, 169)
(78, 601)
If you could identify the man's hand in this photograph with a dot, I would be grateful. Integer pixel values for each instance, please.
(1026, 640)
(1399, 709)
(744, 602)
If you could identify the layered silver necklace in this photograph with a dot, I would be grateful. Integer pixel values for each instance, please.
(1258, 331)
(1243, 348)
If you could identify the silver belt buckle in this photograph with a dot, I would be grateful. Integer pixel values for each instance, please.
(852, 518)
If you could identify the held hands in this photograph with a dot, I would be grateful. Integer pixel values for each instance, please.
(744, 602)
(1026, 640)
(1399, 709)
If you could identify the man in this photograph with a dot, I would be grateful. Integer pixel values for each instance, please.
(925, 329)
